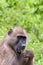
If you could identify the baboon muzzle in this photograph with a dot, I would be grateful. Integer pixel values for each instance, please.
(20, 47)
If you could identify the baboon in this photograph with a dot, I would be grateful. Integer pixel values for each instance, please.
(12, 48)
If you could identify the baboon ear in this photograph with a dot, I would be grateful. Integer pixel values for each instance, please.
(10, 31)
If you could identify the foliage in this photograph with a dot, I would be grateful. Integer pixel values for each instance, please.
(29, 15)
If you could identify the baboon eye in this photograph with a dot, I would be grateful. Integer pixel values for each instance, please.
(21, 37)
(10, 31)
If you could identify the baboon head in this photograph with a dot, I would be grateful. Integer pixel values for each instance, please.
(17, 39)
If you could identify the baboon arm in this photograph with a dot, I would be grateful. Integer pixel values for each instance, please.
(30, 62)
(29, 55)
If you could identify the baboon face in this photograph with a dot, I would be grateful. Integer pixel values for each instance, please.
(18, 39)
(20, 46)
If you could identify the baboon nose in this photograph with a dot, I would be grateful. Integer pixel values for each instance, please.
(23, 46)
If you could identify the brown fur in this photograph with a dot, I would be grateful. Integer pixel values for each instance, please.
(7, 54)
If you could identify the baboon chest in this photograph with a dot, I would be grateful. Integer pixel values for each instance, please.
(19, 61)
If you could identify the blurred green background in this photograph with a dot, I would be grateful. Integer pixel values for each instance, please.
(29, 15)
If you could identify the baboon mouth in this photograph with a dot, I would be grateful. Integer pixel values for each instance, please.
(20, 50)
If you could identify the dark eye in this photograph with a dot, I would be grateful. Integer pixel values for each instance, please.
(21, 37)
